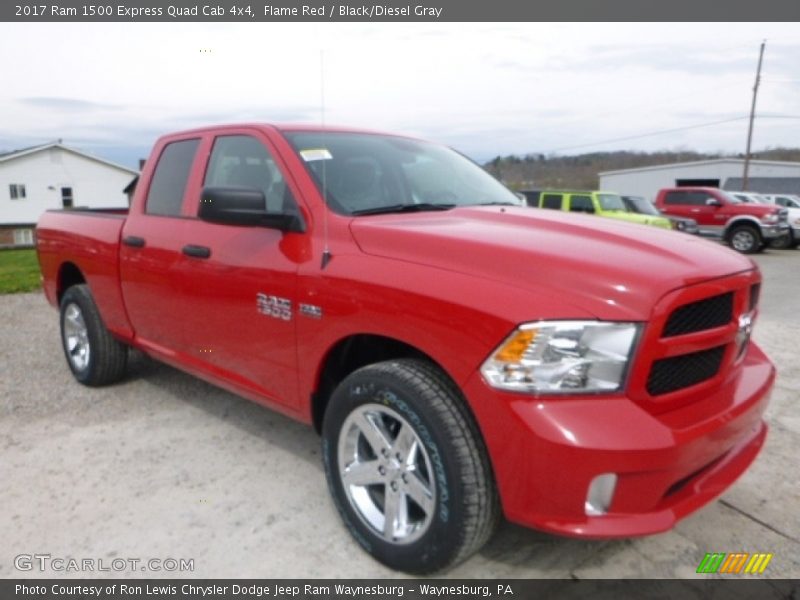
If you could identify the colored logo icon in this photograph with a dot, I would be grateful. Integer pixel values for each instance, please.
(735, 563)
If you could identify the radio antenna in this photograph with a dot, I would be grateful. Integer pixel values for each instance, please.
(326, 251)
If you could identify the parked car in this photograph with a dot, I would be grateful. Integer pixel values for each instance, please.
(747, 228)
(785, 200)
(750, 197)
(792, 238)
(601, 203)
(640, 205)
(462, 356)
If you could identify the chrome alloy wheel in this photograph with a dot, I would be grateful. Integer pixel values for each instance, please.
(743, 240)
(76, 337)
(386, 473)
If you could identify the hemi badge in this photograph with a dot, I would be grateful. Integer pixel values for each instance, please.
(311, 310)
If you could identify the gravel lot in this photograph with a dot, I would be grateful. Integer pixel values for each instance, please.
(166, 466)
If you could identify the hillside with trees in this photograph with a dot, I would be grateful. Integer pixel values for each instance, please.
(580, 171)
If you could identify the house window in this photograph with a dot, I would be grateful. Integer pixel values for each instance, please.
(66, 197)
(17, 191)
(23, 237)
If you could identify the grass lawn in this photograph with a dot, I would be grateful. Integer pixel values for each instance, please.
(19, 271)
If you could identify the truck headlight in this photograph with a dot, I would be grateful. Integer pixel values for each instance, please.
(770, 219)
(560, 357)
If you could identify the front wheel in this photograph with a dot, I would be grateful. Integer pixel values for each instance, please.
(745, 239)
(94, 356)
(407, 468)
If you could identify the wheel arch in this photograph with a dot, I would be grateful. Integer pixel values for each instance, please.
(742, 220)
(353, 352)
(69, 274)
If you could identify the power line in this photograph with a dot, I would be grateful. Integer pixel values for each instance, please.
(650, 134)
(673, 130)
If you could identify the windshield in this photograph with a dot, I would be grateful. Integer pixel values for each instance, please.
(611, 202)
(793, 202)
(367, 174)
(746, 198)
(730, 197)
(640, 205)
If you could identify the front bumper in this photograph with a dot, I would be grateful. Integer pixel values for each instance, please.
(775, 231)
(685, 225)
(547, 450)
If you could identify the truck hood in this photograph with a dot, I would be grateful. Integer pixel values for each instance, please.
(610, 269)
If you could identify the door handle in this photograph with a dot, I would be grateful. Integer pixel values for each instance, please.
(197, 251)
(133, 241)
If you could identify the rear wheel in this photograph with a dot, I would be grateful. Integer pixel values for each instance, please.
(407, 468)
(94, 356)
(745, 239)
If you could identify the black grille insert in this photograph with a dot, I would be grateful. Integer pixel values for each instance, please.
(678, 372)
(699, 316)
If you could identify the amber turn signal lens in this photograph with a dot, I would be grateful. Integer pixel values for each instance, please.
(514, 348)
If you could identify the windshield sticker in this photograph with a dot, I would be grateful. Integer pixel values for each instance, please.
(315, 154)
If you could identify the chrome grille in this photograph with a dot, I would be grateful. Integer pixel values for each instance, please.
(755, 292)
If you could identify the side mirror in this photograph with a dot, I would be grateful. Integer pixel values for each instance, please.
(240, 205)
(713, 202)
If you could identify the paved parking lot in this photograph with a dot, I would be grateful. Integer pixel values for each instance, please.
(165, 466)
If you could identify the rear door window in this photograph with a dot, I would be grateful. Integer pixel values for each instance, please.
(686, 198)
(165, 196)
(532, 197)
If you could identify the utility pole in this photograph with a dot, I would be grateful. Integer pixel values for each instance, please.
(745, 181)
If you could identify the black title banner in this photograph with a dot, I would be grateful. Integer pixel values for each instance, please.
(402, 10)
(441, 589)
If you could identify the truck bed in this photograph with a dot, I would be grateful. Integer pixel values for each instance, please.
(86, 241)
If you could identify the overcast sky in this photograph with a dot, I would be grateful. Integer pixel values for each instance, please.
(487, 89)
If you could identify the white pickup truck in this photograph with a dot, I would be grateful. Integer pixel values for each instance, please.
(790, 203)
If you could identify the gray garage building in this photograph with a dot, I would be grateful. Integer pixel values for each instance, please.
(722, 172)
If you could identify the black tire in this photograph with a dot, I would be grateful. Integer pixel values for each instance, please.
(745, 239)
(465, 507)
(107, 358)
(785, 242)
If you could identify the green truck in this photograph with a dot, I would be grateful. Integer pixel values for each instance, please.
(596, 202)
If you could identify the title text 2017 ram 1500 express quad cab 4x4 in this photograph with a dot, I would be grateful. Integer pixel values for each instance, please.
(462, 357)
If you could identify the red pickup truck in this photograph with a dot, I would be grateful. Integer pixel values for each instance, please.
(462, 356)
(748, 228)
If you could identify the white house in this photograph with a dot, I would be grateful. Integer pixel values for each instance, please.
(646, 181)
(49, 176)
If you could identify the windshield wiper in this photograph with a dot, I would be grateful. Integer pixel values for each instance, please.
(396, 208)
(497, 204)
